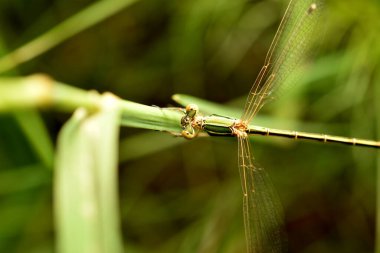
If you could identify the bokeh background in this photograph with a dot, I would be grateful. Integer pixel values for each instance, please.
(185, 196)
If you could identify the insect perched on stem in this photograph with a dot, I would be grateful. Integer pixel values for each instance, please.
(261, 208)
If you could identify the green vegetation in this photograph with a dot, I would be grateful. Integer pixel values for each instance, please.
(156, 192)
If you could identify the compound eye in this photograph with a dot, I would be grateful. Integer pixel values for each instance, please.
(191, 110)
(188, 134)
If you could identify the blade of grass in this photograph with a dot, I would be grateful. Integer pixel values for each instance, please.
(71, 174)
(36, 133)
(86, 18)
(34, 129)
(20, 93)
(106, 145)
(86, 202)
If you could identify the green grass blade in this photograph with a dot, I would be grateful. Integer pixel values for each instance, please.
(16, 95)
(105, 153)
(72, 173)
(86, 204)
(32, 125)
(88, 17)
(151, 117)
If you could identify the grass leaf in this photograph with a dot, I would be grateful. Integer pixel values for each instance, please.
(86, 203)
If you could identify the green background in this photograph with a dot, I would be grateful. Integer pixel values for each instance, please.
(185, 196)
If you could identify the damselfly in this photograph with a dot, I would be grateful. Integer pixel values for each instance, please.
(261, 210)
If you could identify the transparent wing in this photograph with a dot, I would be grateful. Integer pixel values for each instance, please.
(287, 51)
(262, 211)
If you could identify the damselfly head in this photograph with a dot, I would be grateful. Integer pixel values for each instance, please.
(191, 110)
(188, 120)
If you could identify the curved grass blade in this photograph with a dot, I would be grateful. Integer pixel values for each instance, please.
(86, 202)
(88, 17)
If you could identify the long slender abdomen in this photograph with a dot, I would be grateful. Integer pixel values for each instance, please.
(312, 136)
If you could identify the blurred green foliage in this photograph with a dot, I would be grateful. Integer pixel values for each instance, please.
(185, 196)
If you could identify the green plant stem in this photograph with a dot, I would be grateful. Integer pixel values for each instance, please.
(40, 91)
